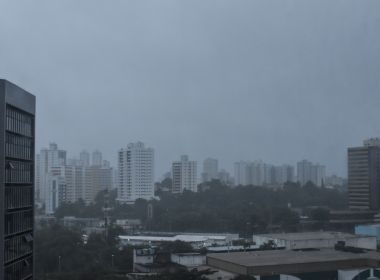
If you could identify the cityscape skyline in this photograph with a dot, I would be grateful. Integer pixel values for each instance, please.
(111, 155)
(71, 157)
(189, 139)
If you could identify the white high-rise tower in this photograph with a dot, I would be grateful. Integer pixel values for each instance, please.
(136, 173)
(184, 174)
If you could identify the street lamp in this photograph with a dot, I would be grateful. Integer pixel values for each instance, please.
(112, 259)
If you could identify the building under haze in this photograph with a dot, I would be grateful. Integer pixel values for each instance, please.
(258, 173)
(210, 169)
(67, 181)
(224, 177)
(84, 157)
(364, 176)
(136, 173)
(241, 173)
(184, 175)
(48, 158)
(283, 174)
(17, 126)
(309, 172)
(97, 158)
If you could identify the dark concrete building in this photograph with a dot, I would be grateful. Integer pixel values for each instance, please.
(17, 126)
(364, 176)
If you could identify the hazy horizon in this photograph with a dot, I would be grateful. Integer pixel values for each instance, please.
(279, 81)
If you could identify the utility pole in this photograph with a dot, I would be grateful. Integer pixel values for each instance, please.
(106, 210)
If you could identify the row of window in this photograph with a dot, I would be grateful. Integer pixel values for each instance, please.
(19, 122)
(18, 172)
(19, 270)
(18, 197)
(18, 246)
(18, 146)
(18, 222)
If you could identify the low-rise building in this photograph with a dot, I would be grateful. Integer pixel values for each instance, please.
(197, 241)
(371, 230)
(296, 265)
(87, 225)
(311, 240)
(189, 260)
(129, 224)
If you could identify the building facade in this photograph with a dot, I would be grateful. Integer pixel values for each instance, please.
(310, 172)
(210, 170)
(241, 173)
(84, 158)
(47, 159)
(97, 158)
(258, 173)
(71, 182)
(184, 174)
(136, 173)
(17, 128)
(364, 176)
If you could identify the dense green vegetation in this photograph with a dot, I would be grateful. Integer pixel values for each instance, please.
(219, 208)
(62, 254)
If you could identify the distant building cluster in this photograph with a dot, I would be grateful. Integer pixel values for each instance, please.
(60, 180)
(259, 173)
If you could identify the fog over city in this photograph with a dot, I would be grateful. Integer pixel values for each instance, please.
(236, 80)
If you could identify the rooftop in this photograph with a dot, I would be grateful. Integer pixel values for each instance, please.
(288, 261)
(310, 235)
(184, 238)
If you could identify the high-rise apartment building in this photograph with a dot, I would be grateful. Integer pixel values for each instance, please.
(97, 158)
(84, 158)
(97, 178)
(309, 172)
(184, 174)
(57, 189)
(364, 176)
(136, 173)
(258, 173)
(304, 171)
(71, 182)
(318, 174)
(210, 169)
(48, 158)
(17, 123)
(224, 177)
(283, 173)
(64, 183)
(241, 173)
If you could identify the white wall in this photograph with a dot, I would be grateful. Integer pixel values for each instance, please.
(189, 260)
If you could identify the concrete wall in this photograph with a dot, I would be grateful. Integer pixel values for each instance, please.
(189, 260)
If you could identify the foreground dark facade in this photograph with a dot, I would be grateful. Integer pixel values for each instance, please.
(17, 126)
(364, 176)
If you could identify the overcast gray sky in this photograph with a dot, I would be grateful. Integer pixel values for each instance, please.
(237, 80)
